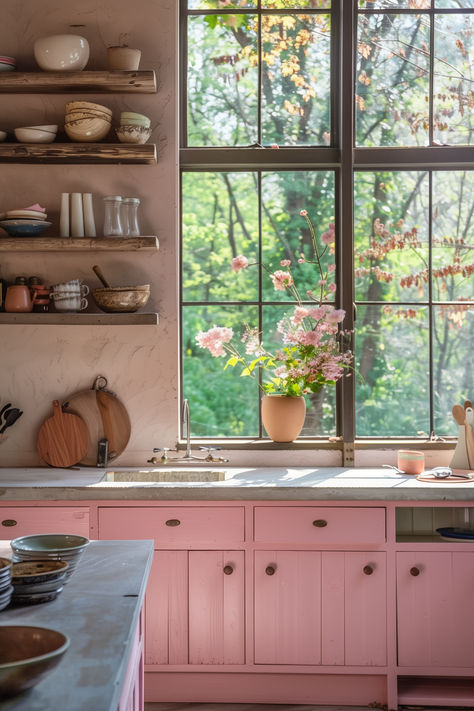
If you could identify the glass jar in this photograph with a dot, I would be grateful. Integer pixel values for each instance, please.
(130, 217)
(112, 222)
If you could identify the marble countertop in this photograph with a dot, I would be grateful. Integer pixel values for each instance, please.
(259, 483)
(98, 610)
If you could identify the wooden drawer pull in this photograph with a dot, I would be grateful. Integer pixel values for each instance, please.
(368, 569)
(270, 570)
(173, 522)
(9, 522)
(414, 571)
(228, 570)
(320, 523)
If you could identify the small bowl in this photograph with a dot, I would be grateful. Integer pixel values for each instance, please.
(132, 117)
(7, 67)
(32, 572)
(121, 300)
(87, 106)
(133, 134)
(32, 134)
(27, 655)
(3, 135)
(61, 53)
(49, 543)
(87, 130)
(25, 228)
(79, 114)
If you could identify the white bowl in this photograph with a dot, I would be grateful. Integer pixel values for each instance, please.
(51, 128)
(87, 130)
(61, 53)
(3, 135)
(34, 135)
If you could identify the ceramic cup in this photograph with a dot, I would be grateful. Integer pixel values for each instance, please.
(411, 461)
(70, 296)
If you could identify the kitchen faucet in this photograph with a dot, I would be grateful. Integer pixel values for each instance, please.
(188, 456)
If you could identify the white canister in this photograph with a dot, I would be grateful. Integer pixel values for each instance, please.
(88, 210)
(64, 216)
(77, 215)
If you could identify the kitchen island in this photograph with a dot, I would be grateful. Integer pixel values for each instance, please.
(282, 585)
(100, 611)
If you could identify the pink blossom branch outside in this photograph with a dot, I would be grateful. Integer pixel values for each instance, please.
(310, 357)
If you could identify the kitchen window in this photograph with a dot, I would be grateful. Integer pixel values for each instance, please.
(361, 114)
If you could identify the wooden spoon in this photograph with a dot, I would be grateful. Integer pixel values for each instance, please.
(458, 414)
(98, 272)
(467, 403)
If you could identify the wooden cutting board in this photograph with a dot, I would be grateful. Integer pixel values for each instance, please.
(63, 439)
(105, 416)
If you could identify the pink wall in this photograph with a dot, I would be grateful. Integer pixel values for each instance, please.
(40, 363)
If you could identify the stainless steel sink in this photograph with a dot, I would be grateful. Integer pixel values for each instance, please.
(164, 475)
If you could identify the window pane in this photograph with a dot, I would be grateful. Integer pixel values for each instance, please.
(394, 4)
(220, 221)
(290, 4)
(296, 79)
(220, 4)
(392, 80)
(320, 407)
(391, 399)
(453, 236)
(391, 255)
(454, 3)
(222, 80)
(223, 404)
(285, 234)
(453, 94)
(453, 362)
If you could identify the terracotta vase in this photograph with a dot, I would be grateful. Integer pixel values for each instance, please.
(283, 416)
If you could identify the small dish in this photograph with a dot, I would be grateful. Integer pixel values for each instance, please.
(5, 67)
(30, 228)
(25, 213)
(35, 598)
(38, 571)
(458, 534)
(3, 135)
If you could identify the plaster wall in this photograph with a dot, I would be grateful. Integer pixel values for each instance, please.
(42, 363)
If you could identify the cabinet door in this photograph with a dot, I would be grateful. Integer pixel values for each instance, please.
(287, 607)
(320, 608)
(194, 608)
(435, 610)
(216, 607)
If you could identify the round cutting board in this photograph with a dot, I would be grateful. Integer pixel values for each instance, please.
(63, 438)
(105, 416)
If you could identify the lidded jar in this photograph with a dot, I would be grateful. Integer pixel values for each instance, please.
(112, 221)
(130, 217)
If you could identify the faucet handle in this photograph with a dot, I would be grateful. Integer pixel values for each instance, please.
(210, 457)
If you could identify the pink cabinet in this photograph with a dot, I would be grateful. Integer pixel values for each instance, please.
(18, 521)
(435, 609)
(195, 608)
(314, 607)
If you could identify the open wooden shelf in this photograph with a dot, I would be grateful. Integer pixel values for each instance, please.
(79, 319)
(108, 82)
(104, 153)
(435, 691)
(78, 244)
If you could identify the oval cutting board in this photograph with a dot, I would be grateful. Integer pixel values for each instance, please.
(105, 416)
(63, 439)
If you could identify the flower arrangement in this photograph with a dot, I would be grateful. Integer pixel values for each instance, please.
(310, 356)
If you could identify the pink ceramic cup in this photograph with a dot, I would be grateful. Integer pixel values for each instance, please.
(410, 461)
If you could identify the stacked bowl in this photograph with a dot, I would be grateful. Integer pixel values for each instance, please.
(50, 546)
(36, 134)
(7, 64)
(36, 581)
(6, 587)
(25, 222)
(87, 122)
(134, 128)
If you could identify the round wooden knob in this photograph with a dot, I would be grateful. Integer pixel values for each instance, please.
(270, 570)
(368, 570)
(228, 570)
(173, 522)
(320, 523)
(414, 571)
(9, 522)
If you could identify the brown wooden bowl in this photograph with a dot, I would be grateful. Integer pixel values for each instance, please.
(121, 299)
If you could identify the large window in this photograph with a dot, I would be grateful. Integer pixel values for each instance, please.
(360, 113)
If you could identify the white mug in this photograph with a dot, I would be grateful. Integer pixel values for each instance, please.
(70, 296)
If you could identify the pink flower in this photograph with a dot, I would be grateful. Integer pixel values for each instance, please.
(322, 282)
(318, 313)
(275, 145)
(336, 316)
(285, 262)
(303, 213)
(239, 263)
(280, 372)
(329, 236)
(214, 339)
(299, 314)
(281, 280)
(331, 268)
(301, 261)
(310, 338)
(332, 288)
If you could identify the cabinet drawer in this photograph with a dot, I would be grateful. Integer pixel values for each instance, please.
(173, 525)
(319, 524)
(28, 520)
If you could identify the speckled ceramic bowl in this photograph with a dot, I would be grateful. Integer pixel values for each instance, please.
(33, 572)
